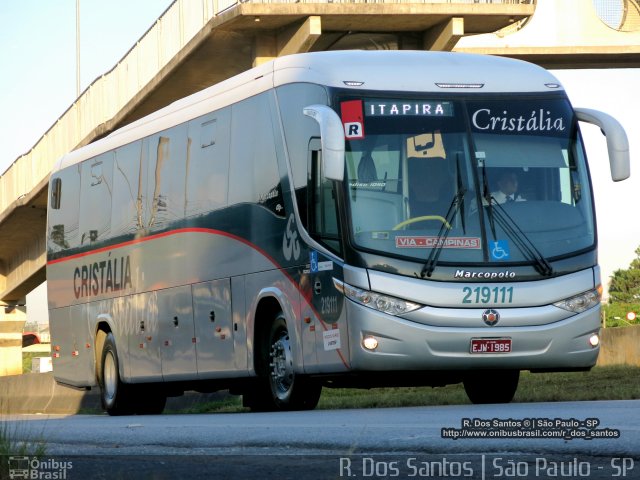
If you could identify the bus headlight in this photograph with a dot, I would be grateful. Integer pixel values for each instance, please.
(377, 301)
(581, 302)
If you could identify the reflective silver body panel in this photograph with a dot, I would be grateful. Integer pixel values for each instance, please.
(407, 345)
(439, 337)
(449, 295)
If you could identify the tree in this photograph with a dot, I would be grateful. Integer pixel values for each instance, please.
(624, 286)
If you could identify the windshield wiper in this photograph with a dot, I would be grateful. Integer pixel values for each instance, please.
(511, 228)
(524, 244)
(432, 261)
(486, 196)
(461, 188)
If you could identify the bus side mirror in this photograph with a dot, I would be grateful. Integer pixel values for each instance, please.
(332, 140)
(617, 142)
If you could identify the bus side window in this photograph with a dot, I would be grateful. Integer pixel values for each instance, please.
(208, 132)
(64, 210)
(303, 208)
(95, 209)
(56, 192)
(323, 212)
(253, 174)
(208, 162)
(126, 213)
(168, 156)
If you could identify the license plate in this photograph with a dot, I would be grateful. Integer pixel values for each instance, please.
(490, 345)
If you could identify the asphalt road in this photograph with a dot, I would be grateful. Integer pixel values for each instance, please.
(541, 440)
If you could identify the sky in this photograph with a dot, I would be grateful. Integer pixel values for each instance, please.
(38, 68)
(38, 83)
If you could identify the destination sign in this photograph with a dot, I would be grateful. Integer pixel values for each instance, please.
(408, 108)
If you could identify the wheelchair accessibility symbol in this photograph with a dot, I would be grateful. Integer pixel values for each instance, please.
(500, 250)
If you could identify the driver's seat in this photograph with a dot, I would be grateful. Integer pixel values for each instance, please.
(430, 187)
(367, 169)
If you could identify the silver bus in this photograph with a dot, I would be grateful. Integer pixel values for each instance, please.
(336, 219)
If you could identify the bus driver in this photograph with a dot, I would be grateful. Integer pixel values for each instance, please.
(507, 188)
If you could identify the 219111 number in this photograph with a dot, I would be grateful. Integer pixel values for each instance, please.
(487, 295)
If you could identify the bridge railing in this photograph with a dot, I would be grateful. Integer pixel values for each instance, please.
(107, 95)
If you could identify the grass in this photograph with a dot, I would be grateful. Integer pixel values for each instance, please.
(601, 383)
(30, 444)
(614, 315)
(27, 360)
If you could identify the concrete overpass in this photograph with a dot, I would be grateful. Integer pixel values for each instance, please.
(197, 43)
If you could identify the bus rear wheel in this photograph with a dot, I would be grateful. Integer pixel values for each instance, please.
(116, 397)
(120, 398)
(279, 387)
(491, 386)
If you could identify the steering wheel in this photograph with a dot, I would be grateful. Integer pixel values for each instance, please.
(409, 221)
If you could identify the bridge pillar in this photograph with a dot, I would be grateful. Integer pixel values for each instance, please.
(298, 38)
(264, 49)
(443, 37)
(12, 319)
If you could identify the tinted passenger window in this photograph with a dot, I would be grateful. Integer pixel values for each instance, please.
(56, 191)
(324, 213)
(208, 162)
(63, 222)
(126, 215)
(254, 176)
(95, 208)
(166, 178)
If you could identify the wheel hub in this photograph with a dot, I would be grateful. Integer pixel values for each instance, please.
(110, 376)
(281, 366)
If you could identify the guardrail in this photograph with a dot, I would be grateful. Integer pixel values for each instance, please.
(108, 94)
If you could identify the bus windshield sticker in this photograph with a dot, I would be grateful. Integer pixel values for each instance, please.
(380, 235)
(374, 184)
(414, 108)
(473, 243)
(500, 250)
(426, 145)
(352, 119)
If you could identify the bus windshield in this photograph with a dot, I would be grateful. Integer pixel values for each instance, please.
(494, 180)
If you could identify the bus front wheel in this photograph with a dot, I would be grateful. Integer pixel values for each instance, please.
(491, 386)
(279, 387)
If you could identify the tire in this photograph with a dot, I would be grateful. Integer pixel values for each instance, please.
(278, 386)
(120, 398)
(491, 386)
(116, 397)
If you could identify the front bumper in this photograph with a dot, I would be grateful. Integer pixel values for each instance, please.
(409, 345)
